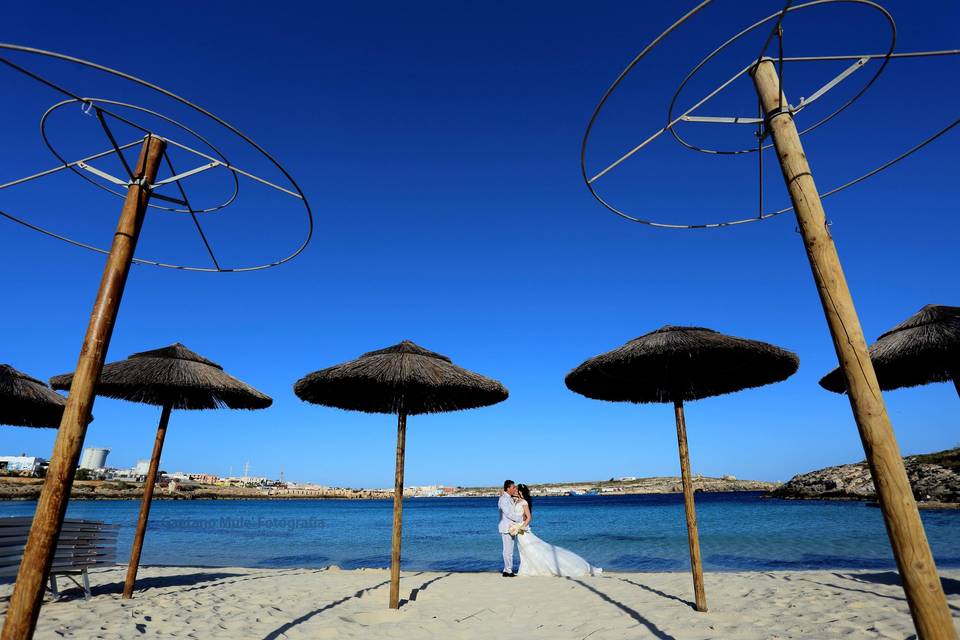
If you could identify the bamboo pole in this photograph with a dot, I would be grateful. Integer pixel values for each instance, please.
(928, 605)
(397, 513)
(145, 504)
(693, 538)
(38, 555)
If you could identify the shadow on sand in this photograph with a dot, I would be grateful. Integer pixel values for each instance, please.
(891, 578)
(951, 586)
(70, 590)
(414, 594)
(659, 593)
(652, 628)
(423, 587)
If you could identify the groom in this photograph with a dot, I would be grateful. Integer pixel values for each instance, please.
(507, 517)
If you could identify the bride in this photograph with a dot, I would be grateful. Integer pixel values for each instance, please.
(538, 557)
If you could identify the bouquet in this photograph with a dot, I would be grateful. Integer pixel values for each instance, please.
(517, 530)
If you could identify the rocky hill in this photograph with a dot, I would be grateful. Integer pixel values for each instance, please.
(935, 477)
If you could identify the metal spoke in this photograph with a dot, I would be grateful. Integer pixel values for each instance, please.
(68, 165)
(670, 124)
(203, 236)
(236, 169)
(777, 29)
(113, 141)
(103, 174)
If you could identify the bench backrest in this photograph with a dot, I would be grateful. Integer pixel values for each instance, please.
(82, 544)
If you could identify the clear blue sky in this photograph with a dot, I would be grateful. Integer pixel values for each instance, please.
(438, 144)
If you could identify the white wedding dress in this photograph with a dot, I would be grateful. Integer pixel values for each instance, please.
(540, 558)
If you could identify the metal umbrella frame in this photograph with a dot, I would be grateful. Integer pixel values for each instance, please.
(775, 119)
(138, 185)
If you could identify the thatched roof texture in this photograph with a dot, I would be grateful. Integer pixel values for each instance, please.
(28, 402)
(173, 375)
(922, 349)
(403, 378)
(681, 363)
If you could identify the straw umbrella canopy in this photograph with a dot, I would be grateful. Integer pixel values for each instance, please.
(28, 402)
(404, 379)
(922, 349)
(675, 364)
(173, 377)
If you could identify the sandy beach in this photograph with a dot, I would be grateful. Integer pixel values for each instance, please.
(269, 604)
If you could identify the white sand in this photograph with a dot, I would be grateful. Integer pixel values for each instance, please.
(330, 603)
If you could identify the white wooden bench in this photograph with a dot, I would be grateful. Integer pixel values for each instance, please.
(82, 544)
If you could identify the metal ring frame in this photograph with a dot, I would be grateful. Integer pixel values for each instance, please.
(91, 103)
(756, 25)
(120, 194)
(588, 181)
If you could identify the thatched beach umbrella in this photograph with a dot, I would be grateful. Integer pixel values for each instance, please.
(404, 379)
(674, 364)
(28, 402)
(922, 349)
(174, 378)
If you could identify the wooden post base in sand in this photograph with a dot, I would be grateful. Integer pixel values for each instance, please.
(693, 537)
(145, 503)
(38, 555)
(928, 605)
(397, 513)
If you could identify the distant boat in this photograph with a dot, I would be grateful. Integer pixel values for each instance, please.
(593, 492)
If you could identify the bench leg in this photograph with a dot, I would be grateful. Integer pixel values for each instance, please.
(53, 587)
(86, 585)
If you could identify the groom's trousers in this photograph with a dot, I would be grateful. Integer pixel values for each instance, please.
(508, 542)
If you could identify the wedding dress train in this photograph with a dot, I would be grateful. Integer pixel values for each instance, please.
(540, 558)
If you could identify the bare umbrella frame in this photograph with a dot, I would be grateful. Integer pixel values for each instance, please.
(404, 379)
(172, 377)
(923, 349)
(28, 402)
(675, 364)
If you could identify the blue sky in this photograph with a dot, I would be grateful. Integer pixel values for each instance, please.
(438, 145)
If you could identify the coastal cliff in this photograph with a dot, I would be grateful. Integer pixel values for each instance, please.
(935, 478)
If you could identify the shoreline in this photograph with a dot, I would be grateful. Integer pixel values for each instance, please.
(15, 489)
(922, 505)
(177, 498)
(277, 604)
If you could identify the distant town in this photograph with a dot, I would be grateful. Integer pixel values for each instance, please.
(20, 478)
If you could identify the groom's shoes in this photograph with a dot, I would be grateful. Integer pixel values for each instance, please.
(508, 575)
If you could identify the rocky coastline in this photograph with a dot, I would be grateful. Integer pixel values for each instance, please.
(935, 478)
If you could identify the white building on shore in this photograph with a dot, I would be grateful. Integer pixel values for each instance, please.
(94, 458)
(21, 463)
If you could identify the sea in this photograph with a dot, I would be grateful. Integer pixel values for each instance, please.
(738, 532)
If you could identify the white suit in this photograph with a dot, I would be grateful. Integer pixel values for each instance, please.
(507, 517)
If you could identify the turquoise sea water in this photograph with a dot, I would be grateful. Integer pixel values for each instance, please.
(619, 533)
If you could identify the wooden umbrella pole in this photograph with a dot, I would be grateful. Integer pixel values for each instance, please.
(397, 513)
(145, 503)
(928, 605)
(38, 555)
(693, 538)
